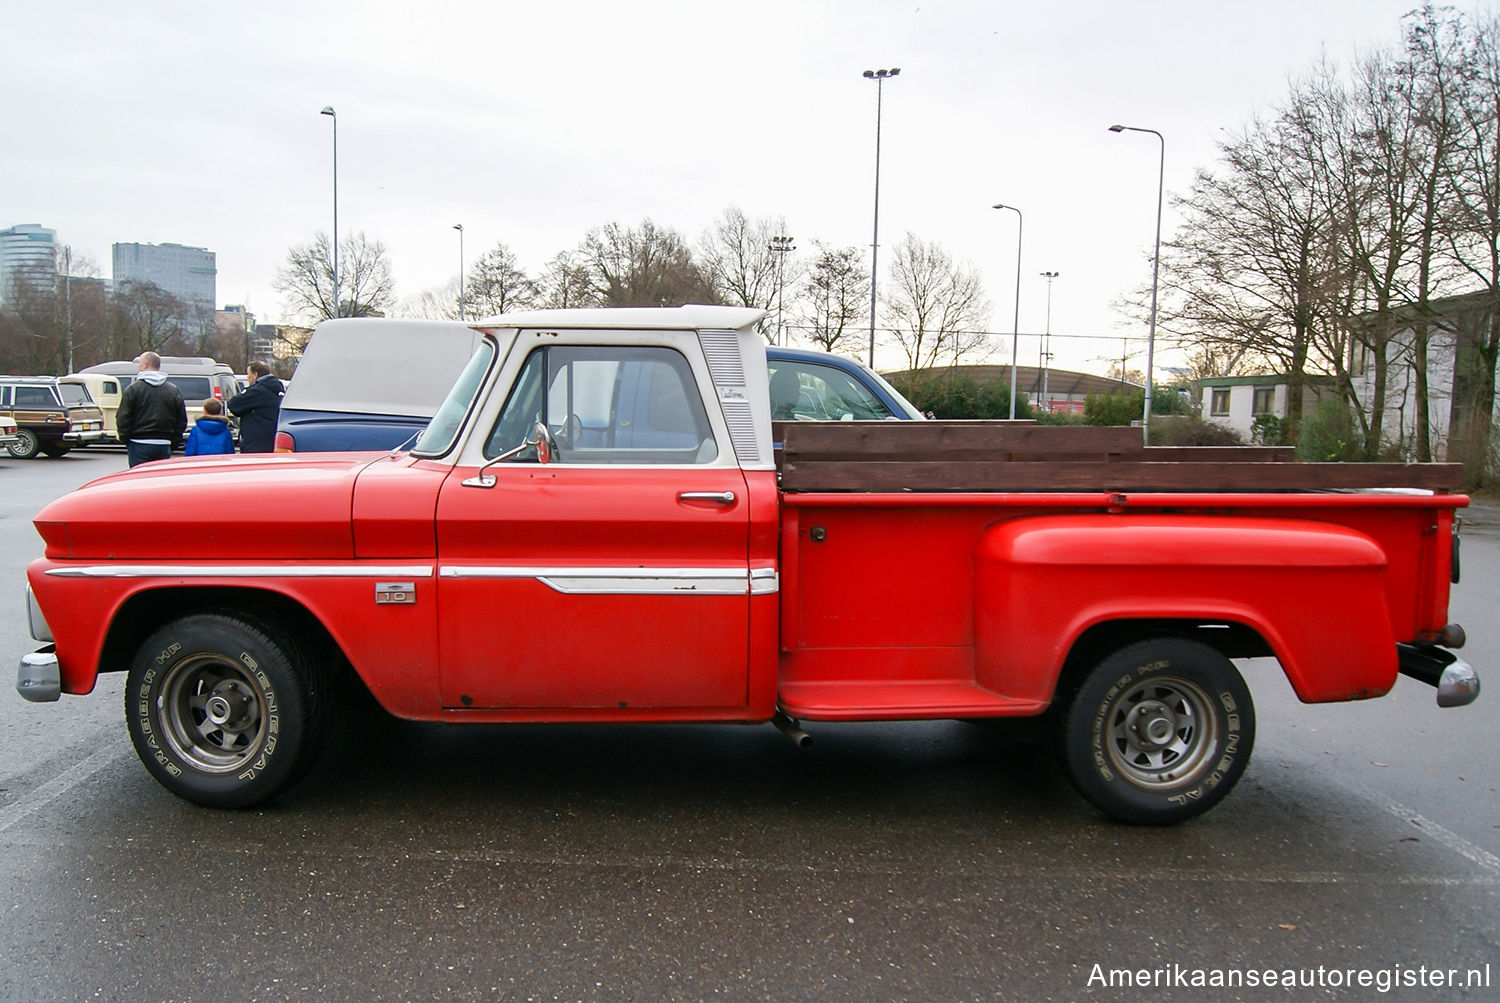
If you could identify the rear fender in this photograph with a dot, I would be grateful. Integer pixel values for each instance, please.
(1313, 591)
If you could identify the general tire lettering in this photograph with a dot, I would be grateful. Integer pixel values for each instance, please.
(224, 711)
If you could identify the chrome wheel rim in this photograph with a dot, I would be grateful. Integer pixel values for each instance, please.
(213, 713)
(1162, 733)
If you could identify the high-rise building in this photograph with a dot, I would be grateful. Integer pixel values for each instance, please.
(189, 273)
(28, 253)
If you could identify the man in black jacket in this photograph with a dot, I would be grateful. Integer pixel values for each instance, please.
(152, 418)
(258, 408)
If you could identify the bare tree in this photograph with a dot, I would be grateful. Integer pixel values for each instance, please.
(31, 340)
(1249, 273)
(147, 318)
(566, 282)
(438, 303)
(498, 284)
(937, 307)
(1429, 92)
(1473, 172)
(645, 266)
(833, 297)
(740, 265)
(366, 286)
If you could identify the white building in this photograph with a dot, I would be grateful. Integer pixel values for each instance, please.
(28, 252)
(1457, 326)
(189, 273)
(1237, 401)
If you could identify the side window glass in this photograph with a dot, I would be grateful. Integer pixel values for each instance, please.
(810, 392)
(34, 397)
(608, 405)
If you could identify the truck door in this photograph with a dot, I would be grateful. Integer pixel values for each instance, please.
(614, 577)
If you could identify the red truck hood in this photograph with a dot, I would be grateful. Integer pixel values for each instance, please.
(263, 506)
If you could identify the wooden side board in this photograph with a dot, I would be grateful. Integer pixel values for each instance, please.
(1000, 456)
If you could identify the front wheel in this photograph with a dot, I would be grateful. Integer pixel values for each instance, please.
(1159, 732)
(223, 712)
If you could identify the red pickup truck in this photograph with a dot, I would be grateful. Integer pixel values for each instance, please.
(595, 527)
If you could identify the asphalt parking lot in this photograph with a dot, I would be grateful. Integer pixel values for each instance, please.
(889, 861)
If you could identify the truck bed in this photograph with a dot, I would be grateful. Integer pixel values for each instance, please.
(928, 456)
(1065, 529)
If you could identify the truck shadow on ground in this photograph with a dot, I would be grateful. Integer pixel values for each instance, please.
(934, 768)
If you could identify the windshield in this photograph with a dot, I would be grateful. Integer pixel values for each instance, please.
(442, 430)
(901, 402)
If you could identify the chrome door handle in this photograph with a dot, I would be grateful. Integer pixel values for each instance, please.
(722, 497)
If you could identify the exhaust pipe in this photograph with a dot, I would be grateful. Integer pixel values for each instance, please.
(788, 727)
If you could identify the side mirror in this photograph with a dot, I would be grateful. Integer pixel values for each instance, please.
(546, 446)
(546, 449)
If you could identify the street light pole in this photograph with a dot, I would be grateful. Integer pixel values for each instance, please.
(460, 228)
(1161, 181)
(68, 301)
(780, 245)
(1047, 339)
(1015, 338)
(879, 76)
(328, 110)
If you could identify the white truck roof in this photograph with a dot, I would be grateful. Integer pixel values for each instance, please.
(676, 318)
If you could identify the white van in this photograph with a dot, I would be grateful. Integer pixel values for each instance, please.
(371, 383)
(197, 378)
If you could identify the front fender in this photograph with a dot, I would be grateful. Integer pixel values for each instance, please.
(1314, 591)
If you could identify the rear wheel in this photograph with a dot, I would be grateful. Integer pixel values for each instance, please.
(26, 447)
(224, 712)
(1159, 732)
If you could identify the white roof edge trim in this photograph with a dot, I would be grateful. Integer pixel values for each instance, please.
(679, 318)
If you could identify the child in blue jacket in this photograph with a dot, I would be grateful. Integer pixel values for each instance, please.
(210, 433)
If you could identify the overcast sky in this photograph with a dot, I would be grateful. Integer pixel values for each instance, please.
(529, 123)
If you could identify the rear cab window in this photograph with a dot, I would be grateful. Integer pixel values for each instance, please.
(74, 394)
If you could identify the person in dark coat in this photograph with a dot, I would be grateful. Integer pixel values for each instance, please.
(152, 416)
(258, 408)
(210, 434)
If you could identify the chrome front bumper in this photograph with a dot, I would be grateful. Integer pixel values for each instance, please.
(38, 678)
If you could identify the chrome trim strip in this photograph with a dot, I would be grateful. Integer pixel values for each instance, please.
(631, 580)
(244, 571)
(645, 586)
(546, 571)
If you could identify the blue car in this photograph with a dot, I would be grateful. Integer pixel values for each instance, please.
(817, 386)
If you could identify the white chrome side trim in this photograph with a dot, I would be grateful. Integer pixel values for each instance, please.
(245, 571)
(632, 580)
(764, 581)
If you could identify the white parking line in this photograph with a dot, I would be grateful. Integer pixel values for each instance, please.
(56, 787)
(1479, 857)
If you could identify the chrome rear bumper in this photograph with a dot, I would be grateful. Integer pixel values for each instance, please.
(1455, 679)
